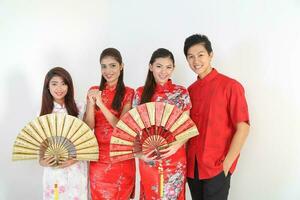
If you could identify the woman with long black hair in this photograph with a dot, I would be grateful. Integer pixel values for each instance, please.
(105, 105)
(159, 88)
(70, 178)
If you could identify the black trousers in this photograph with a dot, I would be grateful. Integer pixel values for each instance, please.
(216, 188)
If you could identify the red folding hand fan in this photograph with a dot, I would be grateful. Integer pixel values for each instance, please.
(150, 126)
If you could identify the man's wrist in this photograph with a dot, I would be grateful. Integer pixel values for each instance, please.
(226, 166)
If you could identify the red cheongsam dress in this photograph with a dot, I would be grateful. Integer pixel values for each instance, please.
(173, 167)
(108, 180)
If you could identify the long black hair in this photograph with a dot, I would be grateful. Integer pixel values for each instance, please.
(120, 88)
(150, 83)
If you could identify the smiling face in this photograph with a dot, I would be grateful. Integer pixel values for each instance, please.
(199, 60)
(58, 89)
(111, 69)
(162, 69)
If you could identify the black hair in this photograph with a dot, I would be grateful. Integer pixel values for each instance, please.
(197, 39)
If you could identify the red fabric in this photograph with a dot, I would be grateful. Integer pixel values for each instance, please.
(218, 105)
(110, 180)
(174, 167)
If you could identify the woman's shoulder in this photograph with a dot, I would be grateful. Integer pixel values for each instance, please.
(179, 88)
(129, 89)
(139, 89)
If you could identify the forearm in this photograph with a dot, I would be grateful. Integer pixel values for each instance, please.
(237, 143)
(111, 118)
(89, 116)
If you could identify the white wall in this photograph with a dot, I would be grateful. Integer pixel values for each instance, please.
(256, 42)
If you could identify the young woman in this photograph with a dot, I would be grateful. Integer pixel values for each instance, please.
(159, 88)
(71, 176)
(105, 105)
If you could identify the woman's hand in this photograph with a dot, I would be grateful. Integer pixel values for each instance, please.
(146, 157)
(170, 150)
(47, 162)
(66, 163)
(92, 94)
(99, 101)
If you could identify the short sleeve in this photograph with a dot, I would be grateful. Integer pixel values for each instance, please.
(137, 97)
(128, 96)
(238, 108)
(186, 100)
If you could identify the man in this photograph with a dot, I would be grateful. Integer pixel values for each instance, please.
(221, 115)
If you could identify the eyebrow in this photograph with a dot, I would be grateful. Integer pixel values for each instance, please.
(113, 63)
(56, 81)
(196, 53)
(164, 65)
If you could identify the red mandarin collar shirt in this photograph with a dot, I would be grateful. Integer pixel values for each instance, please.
(218, 105)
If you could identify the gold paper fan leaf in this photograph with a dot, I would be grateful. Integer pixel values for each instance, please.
(56, 135)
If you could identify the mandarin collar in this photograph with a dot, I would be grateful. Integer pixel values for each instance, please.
(110, 87)
(208, 77)
(167, 86)
(58, 106)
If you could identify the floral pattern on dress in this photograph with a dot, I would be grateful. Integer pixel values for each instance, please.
(173, 185)
(71, 181)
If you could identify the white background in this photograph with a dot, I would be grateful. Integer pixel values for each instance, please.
(256, 42)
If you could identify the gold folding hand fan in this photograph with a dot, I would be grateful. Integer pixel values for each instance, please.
(150, 127)
(56, 135)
